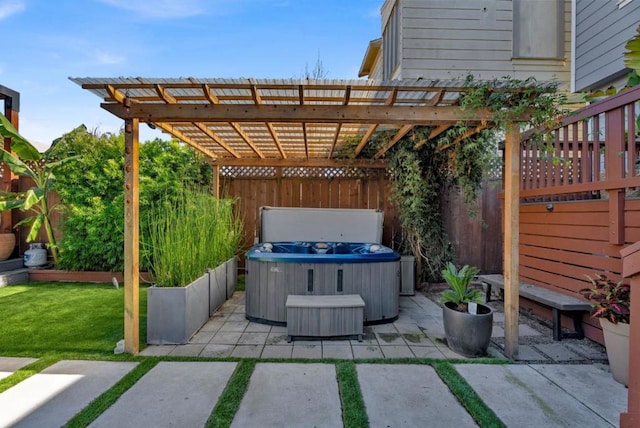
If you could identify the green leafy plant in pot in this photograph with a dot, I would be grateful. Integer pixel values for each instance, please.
(467, 322)
(611, 303)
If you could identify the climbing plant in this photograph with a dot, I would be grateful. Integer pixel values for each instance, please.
(421, 168)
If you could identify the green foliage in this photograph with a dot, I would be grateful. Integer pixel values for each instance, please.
(609, 300)
(25, 160)
(632, 55)
(92, 191)
(459, 281)
(189, 233)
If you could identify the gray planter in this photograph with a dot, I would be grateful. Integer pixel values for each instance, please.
(232, 275)
(174, 314)
(217, 287)
(468, 334)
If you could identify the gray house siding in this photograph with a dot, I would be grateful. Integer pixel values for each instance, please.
(601, 31)
(448, 39)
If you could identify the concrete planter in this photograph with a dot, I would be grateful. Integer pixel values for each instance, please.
(468, 334)
(616, 340)
(174, 314)
(217, 287)
(232, 275)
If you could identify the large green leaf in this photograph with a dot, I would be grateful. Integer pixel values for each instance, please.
(32, 197)
(28, 221)
(632, 56)
(16, 165)
(23, 148)
(9, 204)
(35, 227)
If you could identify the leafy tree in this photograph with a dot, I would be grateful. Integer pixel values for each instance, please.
(25, 160)
(92, 192)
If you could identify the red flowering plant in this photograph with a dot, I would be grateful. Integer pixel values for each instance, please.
(609, 300)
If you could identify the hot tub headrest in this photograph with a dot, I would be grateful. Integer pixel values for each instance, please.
(279, 224)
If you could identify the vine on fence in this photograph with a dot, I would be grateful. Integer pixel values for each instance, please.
(422, 168)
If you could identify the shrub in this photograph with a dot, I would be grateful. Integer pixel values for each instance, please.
(92, 192)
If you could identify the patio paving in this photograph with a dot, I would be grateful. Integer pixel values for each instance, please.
(8, 365)
(417, 333)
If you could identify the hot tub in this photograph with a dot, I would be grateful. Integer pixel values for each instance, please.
(278, 269)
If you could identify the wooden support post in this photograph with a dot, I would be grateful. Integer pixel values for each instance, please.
(511, 240)
(631, 269)
(215, 181)
(615, 170)
(131, 238)
(7, 175)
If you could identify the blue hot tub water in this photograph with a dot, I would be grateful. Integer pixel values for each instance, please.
(321, 252)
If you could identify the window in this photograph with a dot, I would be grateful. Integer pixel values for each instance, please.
(538, 29)
(391, 45)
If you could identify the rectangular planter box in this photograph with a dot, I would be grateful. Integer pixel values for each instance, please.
(232, 276)
(174, 314)
(217, 287)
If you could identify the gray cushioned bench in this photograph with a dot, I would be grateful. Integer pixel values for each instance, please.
(325, 316)
(558, 302)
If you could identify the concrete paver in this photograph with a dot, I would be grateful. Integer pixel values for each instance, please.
(247, 351)
(409, 395)
(291, 395)
(171, 394)
(8, 365)
(307, 351)
(53, 396)
(277, 351)
(529, 353)
(558, 352)
(342, 351)
(366, 351)
(397, 351)
(215, 350)
(521, 396)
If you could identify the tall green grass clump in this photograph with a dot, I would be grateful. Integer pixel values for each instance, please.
(189, 233)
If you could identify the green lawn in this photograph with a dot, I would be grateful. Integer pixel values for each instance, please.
(60, 318)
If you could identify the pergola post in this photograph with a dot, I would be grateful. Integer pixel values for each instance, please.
(215, 181)
(131, 238)
(11, 106)
(511, 239)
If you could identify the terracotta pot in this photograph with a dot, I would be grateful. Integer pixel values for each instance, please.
(7, 244)
(616, 340)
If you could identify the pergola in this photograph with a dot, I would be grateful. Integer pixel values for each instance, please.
(293, 123)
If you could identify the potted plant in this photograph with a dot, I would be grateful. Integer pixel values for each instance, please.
(467, 322)
(191, 244)
(611, 303)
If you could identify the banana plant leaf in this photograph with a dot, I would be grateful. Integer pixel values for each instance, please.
(24, 149)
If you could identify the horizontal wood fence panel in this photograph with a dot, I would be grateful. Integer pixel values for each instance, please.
(554, 281)
(580, 246)
(568, 218)
(583, 260)
(567, 231)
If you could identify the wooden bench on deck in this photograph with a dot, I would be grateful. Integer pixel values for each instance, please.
(558, 302)
(325, 316)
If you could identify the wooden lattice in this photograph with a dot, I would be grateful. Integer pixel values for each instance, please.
(299, 172)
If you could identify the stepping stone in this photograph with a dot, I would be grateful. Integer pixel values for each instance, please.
(578, 380)
(171, 394)
(409, 395)
(529, 353)
(9, 365)
(56, 394)
(558, 352)
(506, 388)
(291, 395)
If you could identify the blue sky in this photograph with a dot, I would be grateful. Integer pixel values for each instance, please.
(46, 41)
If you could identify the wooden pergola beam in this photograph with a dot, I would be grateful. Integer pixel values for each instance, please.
(203, 127)
(295, 162)
(365, 139)
(179, 135)
(401, 133)
(282, 113)
(335, 140)
(236, 127)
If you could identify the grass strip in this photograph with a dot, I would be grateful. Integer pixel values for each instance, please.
(110, 396)
(27, 371)
(229, 402)
(479, 411)
(354, 412)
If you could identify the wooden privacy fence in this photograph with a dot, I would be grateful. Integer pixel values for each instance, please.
(580, 200)
(477, 240)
